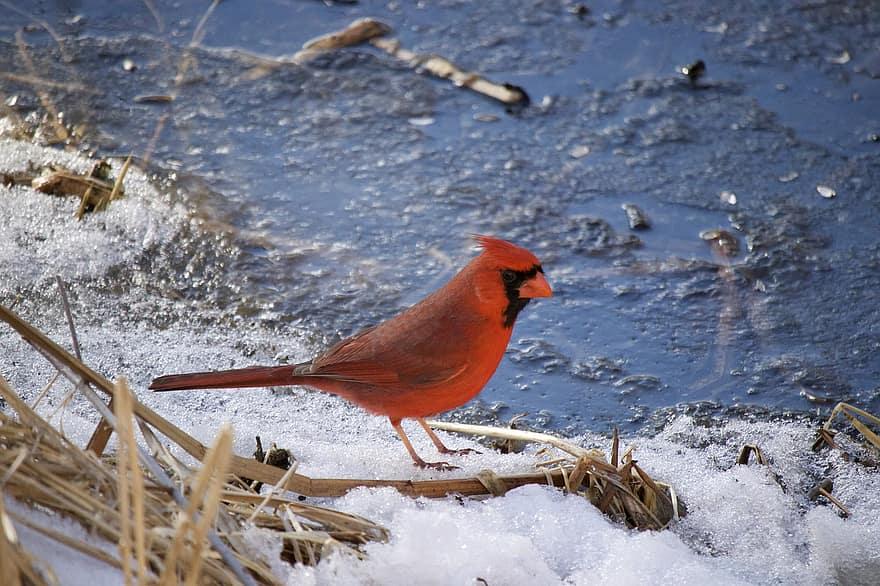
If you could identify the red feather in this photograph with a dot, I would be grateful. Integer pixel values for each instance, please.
(507, 254)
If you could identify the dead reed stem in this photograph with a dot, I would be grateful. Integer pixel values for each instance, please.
(41, 467)
(116, 192)
(130, 486)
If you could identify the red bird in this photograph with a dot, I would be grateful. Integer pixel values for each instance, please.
(432, 357)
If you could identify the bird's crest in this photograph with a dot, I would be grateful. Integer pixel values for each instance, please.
(506, 253)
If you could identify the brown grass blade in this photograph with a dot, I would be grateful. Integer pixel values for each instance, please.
(131, 486)
(210, 499)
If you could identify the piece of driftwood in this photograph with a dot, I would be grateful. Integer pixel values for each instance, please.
(506, 93)
(373, 31)
(358, 32)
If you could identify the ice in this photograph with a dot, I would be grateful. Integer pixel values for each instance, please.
(745, 525)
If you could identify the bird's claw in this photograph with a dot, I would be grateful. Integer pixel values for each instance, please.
(436, 465)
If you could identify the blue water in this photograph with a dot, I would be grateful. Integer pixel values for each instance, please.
(342, 209)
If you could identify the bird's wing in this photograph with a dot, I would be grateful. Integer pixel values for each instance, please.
(371, 358)
(357, 372)
(409, 374)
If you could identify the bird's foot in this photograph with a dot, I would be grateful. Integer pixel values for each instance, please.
(461, 452)
(435, 465)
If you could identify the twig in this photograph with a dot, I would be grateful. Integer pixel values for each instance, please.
(156, 16)
(199, 33)
(182, 67)
(45, 390)
(615, 447)
(117, 186)
(62, 288)
(36, 81)
(276, 490)
(154, 139)
(515, 434)
(22, 454)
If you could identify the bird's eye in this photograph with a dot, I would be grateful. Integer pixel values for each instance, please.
(508, 276)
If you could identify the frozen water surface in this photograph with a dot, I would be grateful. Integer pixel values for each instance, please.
(280, 212)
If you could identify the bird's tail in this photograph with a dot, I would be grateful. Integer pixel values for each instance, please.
(255, 376)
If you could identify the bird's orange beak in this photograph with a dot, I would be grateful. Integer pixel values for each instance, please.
(537, 286)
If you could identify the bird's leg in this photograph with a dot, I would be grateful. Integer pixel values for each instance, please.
(412, 452)
(440, 446)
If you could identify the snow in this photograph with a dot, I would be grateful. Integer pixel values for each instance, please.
(41, 236)
(534, 535)
(67, 564)
(743, 527)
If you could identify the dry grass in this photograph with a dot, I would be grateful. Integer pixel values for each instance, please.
(868, 454)
(861, 421)
(159, 539)
(137, 498)
(94, 189)
(59, 133)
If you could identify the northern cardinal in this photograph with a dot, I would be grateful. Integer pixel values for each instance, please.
(432, 357)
